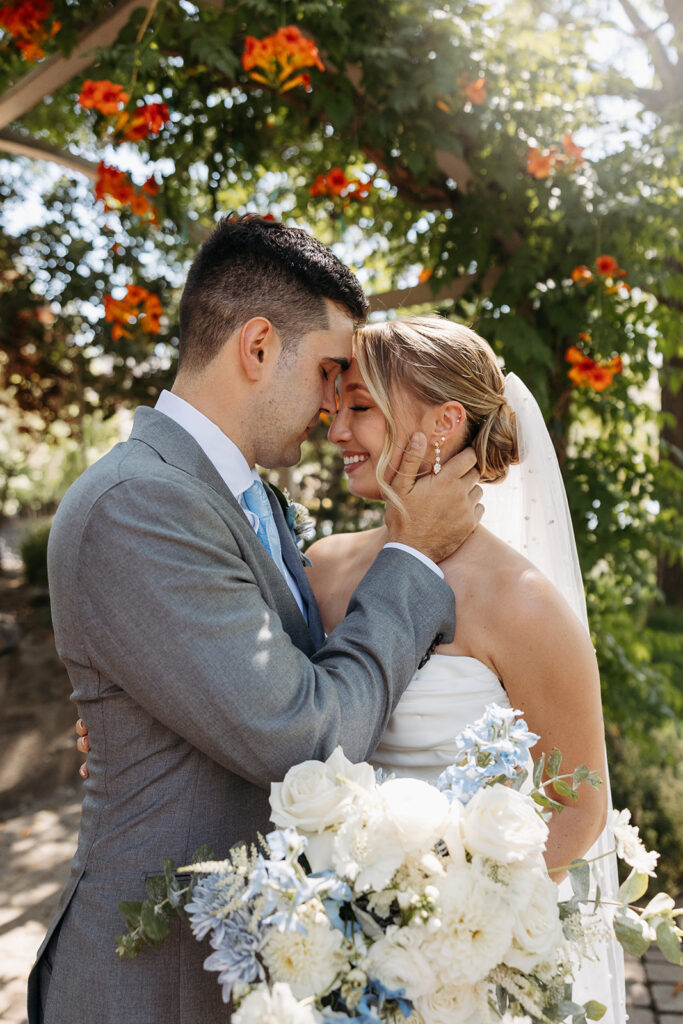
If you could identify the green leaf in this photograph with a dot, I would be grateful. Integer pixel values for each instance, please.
(630, 931)
(131, 911)
(633, 888)
(546, 801)
(204, 852)
(554, 762)
(169, 870)
(539, 765)
(594, 1009)
(669, 943)
(157, 888)
(155, 922)
(580, 878)
(128, 945)
(563, 788)
(581, 773)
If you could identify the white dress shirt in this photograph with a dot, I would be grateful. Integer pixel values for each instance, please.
(234, 470)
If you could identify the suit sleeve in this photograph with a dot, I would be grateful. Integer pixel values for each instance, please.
(173, 615)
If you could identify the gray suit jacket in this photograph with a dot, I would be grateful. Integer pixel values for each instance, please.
(201, 683)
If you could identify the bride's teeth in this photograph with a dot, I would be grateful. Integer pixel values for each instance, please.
(351, 459)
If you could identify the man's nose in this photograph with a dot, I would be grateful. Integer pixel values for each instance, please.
(339, 430)
(330, 403)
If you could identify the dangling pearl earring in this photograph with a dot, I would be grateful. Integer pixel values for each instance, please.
(437, 459)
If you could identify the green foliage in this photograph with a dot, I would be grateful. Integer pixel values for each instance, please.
(34, 555)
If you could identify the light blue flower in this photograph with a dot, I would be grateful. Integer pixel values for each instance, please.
(496, 744)
(211, 898)
(236, 948)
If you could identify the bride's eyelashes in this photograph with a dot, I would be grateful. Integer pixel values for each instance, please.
(359, 408)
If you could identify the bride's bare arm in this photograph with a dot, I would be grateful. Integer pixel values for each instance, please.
(548, 667)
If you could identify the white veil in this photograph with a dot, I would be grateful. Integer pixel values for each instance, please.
(529, 511)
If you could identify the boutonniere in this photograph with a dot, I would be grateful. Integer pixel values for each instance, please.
(298, 519)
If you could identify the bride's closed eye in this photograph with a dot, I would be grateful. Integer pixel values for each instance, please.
(360, 408)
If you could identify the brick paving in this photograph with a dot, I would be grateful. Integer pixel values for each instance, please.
(36, 847)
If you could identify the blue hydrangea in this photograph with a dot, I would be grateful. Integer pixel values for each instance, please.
(496, 744)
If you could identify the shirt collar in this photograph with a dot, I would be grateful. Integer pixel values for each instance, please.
(225, 456)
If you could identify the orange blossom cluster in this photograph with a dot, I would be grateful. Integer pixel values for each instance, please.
(280, 56)
(544, 165)
(337, 185)
(138, 303)
(606, 267)
(109, 98)
(25, 21)
(475, 91)
(115, 189)
(585, 372)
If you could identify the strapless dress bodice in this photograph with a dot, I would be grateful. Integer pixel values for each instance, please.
(444, 696)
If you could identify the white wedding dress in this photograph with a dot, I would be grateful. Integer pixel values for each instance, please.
(528, 511)
(448, 693)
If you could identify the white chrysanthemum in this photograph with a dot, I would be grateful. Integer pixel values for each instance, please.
(456, 1004)
(537, 929)
(274, 1006)
(629, 844)
(504, 825)
(476, 927)
(314, 795)
(398, 961)
(310, 962)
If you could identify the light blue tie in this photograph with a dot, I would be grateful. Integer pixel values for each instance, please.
(256, 500)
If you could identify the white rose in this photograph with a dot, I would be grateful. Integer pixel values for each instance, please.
(455, 1004)
(312, 795)
(309, 961)
(419, 812)
(536, 928)
(502, 824)
(274, 1006)
(452, 833)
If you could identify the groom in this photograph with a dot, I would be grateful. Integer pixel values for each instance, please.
(190, 633)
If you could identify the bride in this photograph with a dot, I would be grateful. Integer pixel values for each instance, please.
(519, 640)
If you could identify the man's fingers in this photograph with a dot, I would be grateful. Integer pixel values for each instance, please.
(462, 463)
(478, 512)
(81, 727)
(83, 744)
(476, 494)
(83, 771)
(413, 457)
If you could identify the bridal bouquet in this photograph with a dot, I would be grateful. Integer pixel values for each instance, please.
(396, 900)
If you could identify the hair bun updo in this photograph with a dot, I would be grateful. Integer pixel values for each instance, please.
(495, 443)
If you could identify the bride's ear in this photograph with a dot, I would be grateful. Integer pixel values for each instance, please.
(451, 420)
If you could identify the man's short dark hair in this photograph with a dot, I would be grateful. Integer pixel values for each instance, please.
(253, 267)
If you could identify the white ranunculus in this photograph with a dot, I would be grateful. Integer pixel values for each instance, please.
(309, 962)
(367, 848)
(314, 796)
(274, 1006)
(476, 927)
(418, 811)
(502, 824)
(629, 844)
(398, 962)
(536, 929)
(455, 1004)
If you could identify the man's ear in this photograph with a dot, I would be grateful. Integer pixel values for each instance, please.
(258, 344)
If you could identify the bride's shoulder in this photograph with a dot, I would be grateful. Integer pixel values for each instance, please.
(339, 545)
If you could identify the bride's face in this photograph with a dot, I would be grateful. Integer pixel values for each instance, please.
(359, 429)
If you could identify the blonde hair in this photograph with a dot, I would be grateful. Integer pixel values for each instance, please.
(435, 361)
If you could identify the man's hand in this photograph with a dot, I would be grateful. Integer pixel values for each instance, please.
(82, 744)
(440, 511)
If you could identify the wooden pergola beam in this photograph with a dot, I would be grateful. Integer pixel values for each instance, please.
(24, 144)
(56, 71)
(423, 294)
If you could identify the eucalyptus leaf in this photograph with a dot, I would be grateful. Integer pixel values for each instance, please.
(157, 888)
(580, 878)
(630, 931)
(633, 887)
(554, 762)
(669, 943)
(131, 911)
(539, 765)
(594, 1009)
(154, 922)
(562, 788)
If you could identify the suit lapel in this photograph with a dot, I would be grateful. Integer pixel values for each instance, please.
(292, 559)
(176, 447)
